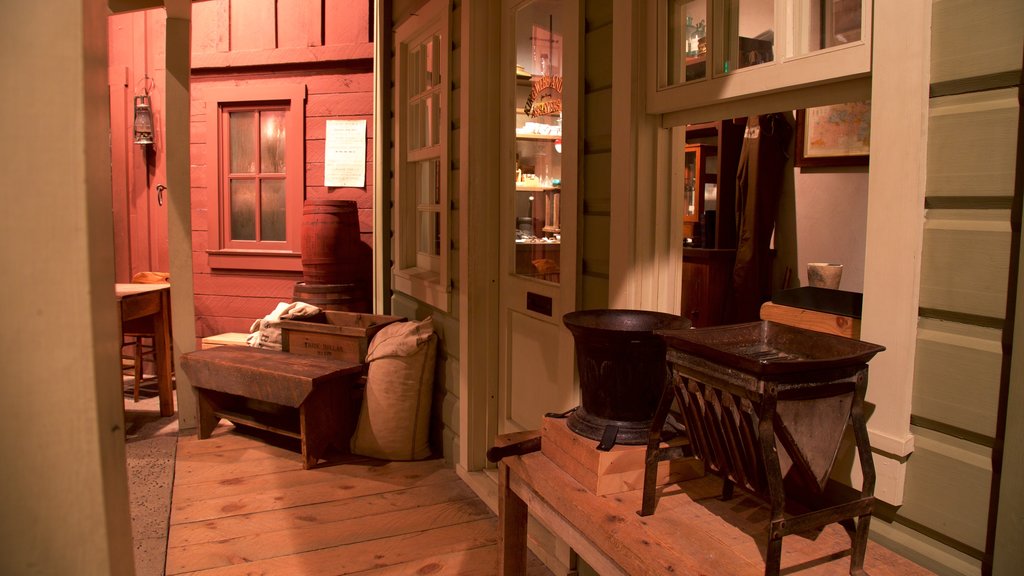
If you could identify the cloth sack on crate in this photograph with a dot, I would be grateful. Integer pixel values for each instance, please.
(266, 332)
(394, 419)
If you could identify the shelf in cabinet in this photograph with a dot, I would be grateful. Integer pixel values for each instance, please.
(522, 188)
(538, 242)
(552, 137)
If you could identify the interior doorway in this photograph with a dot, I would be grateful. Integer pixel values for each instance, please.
(136, 69)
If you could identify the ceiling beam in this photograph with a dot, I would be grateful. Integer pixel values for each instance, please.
(119, 6)
(175, 8)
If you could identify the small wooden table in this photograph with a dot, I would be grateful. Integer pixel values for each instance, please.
(150, 304)
(304, 397)
(692, 531)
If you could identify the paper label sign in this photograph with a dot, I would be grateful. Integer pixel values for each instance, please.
(345, 154)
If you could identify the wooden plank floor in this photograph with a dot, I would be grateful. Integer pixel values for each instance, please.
(242, 504)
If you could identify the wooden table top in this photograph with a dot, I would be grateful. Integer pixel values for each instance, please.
(128, 289)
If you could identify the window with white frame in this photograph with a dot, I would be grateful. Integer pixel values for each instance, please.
(255, 161)
(712, 51)
(421, 146)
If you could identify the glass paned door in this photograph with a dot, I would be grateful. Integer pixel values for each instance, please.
(539, 46)
(539, 163)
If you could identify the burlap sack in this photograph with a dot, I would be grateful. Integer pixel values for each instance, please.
(394, 419)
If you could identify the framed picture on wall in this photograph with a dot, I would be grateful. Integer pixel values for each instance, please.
(836, 135)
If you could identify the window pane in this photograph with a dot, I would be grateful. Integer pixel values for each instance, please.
(437, 235)
(536, 199)
(687, 40)
(243, 209)
(750, 33)
(826, 23)
(434, 105)
(433, 60)
(414, 77)
(428, 233)
(423, 74)
(428, 186)
(424, 128)
(242, 138)
(415, 125)
(272, 139)
(272, 211)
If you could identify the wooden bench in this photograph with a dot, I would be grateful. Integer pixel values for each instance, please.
(693, 531)
(304, 397)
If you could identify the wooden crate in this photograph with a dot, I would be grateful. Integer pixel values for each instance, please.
(620, 469)
(341, 336)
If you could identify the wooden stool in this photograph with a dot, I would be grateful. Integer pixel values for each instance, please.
(142, 348)
(303, 397)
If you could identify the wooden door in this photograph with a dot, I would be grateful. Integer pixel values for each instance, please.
(138, 174)
(538, 210)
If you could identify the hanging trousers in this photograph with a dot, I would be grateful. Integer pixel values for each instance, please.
(758, 185)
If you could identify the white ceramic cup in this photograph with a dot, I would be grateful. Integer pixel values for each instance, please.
(824, 274)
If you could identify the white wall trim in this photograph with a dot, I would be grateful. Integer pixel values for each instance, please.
(478, 217)
(885, 444)
(645, 252)
(895, 227)
(622, 245)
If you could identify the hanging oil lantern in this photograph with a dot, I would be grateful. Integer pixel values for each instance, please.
(143, 126)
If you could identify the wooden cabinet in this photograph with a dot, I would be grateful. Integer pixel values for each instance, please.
(710, 161)
(707, 275)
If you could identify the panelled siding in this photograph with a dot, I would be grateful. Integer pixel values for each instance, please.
(965, 268)
(595, 181)
(326, 46)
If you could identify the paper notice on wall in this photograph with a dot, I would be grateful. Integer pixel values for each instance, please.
(345, 154)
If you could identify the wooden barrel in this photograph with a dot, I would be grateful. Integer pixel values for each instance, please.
(330, 235)
(344, 297)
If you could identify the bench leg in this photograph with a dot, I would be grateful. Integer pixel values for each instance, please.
(205, 416)
(325, 420)
(513, 514)
(312, 433)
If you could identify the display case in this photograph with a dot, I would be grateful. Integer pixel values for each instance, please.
(700, 189)
(538, 175)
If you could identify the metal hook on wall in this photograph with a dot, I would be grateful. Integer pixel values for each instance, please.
(160, 194)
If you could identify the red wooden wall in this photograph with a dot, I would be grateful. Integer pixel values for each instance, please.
(327, 45)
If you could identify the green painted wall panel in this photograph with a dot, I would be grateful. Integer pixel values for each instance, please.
(971, 38)
(595, 183)
(972, 144)
(956, 375)
(947, 490)
(965, 261)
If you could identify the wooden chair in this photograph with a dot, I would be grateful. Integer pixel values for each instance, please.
(140, 336)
